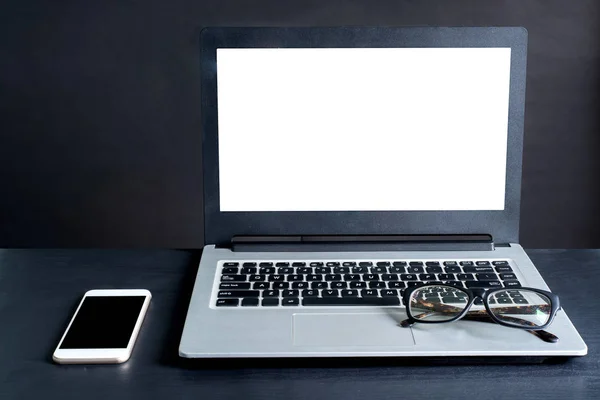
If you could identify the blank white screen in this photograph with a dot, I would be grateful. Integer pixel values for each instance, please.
(362, 129)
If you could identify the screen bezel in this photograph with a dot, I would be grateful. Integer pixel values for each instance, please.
(503, 225)
(104, 354)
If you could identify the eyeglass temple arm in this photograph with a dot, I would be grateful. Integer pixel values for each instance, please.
(544, 335)
(482, 316)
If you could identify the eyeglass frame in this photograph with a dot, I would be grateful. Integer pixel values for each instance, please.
(483, 294)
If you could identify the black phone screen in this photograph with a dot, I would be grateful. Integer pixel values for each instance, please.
(104, 323)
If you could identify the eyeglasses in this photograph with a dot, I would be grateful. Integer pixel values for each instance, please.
(524, 308)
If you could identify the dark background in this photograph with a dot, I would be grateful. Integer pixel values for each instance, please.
(100, 112)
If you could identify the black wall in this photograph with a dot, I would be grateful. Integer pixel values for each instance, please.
(99, 112)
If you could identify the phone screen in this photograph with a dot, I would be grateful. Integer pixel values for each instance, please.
(104, 323)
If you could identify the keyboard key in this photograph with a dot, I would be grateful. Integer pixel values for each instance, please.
(454, 300)
(332, 264)
(389, 277)
(434, 270)
(415, 270)
(333, 277)
(285, 270)
(413, 283)
(280, 285)
(457, 284)
(351, 301)
(512, 284)
(310, 293)
(234, 285)
(379, 270)
(322, 270)
(520, 300)
(282, 264)
(427, 277)
(319, 285)
(249, 270)
(276, 278)
(316, 264)
(482, 263)
(389, 292)
(483, 284)
(231, 264)
(365, 264)
(397, 270)
(227, 302)
(467, 263)
(504, 300)
(450, 264)
(295, 278)
(504, 269)
(300, 285)
(233, 278)
(341, 270)
(360, 270)
(477, 269)
(396, 285)
(377, 285)
(452, 270)
(369, 293)
(446, 277)
(265, 264)
(508, 276)
(330, 293)
(371, 277)
(290, 302)
(230, 270)
(358, 285)
(486, 277)
(352, 277)
(304, 270)
(314, 277)
(349, 293)
(416, 263)
(349, 264)
(465, 277)
(238, 293)
(298, 264)
(271, 293)
(432, 264)
(500, 263)
(257, 278)
(399, 263)
(261, 285)
(249, 302)
(249, 264)
(291, 293)
(339, 285)
(383, 264)
(267, 270)
(408, 277)
(270, 302)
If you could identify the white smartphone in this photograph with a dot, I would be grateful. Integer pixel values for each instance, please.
(104, 327)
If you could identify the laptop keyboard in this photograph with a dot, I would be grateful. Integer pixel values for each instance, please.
(347, 283)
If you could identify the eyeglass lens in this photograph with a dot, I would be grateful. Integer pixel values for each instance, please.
(520, 307)
(437, 303)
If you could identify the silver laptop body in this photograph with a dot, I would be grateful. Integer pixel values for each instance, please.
(342, 166)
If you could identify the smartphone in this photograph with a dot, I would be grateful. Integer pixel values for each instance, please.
(104, 327)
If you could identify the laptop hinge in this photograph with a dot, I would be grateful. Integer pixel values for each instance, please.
(475, 242)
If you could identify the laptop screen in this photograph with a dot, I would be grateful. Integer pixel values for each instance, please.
(362, 129)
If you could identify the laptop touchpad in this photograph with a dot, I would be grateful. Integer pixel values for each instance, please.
(352, 329)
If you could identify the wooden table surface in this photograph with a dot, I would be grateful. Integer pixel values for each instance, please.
(39, 290)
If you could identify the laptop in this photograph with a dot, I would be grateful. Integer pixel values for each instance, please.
(343, 166)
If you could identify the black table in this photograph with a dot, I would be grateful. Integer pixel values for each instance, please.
(39, 290)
